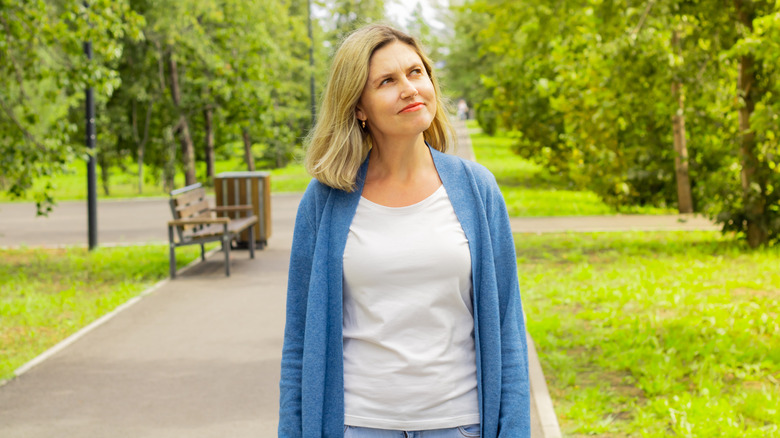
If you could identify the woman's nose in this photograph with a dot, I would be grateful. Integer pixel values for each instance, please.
(408, 90)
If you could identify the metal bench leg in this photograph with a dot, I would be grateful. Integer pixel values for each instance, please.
(252, 242)
(202, 253)
(226, 238)
(172, 255)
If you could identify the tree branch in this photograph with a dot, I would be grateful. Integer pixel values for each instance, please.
(17, 70)
(641, 23)
(19, 125)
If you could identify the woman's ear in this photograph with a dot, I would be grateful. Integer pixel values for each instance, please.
(360, 114)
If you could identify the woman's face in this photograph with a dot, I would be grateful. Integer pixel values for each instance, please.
(398, 99)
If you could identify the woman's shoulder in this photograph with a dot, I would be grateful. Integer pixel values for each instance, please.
(316, 193)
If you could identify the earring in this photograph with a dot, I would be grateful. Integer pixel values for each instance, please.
(364, 124)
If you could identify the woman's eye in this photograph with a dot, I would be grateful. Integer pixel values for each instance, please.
(417, 71)
(386, 81)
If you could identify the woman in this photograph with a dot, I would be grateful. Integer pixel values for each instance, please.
(403, 309)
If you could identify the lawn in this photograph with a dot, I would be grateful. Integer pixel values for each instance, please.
(655, 334)
(49, 294)
(72, 185)
(529, 190)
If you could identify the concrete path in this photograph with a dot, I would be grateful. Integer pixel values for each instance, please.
(128, 221)
(198, 357)
(672, 222)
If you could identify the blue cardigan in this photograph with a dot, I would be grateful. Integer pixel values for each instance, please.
(312, 378)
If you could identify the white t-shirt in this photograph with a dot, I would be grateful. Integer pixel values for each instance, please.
(409, 358)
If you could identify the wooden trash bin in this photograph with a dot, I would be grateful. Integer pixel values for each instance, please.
(247, 188)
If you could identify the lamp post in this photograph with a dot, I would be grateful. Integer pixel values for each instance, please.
(90, 139)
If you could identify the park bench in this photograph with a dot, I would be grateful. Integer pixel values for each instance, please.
(196, 222)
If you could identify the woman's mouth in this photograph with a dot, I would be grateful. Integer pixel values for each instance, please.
(412, 107)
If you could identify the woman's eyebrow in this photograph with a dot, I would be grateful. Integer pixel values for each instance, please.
(384, 76)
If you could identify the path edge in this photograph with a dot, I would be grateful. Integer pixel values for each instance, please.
(540, 394)
(65, 343)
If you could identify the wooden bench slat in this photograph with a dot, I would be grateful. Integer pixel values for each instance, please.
(209, 230)
(204, 220)
(239, 225)
(234, 226)
(189, 197)
(231, 208)
(193, 210)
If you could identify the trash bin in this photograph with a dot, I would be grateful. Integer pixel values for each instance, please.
(247, 188)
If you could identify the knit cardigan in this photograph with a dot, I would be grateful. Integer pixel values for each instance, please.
(312, 376)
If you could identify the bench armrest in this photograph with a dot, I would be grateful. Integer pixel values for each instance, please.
(229, 208)
(199, 221)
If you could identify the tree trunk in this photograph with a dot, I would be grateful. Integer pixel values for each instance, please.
(752, 192)
(104, 172)
(141, 142)
(684, 199)
(182, 127)
(207, 115)
(250, 160)
(140, 170)
(169, 170)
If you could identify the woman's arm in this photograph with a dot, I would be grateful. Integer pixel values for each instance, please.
(514, 414)
(304, 238)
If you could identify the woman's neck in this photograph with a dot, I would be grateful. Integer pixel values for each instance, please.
(399, 159)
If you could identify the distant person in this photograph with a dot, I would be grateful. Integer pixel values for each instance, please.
(463, 110)
(403, 307)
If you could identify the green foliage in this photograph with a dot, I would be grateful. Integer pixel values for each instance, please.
(652, 334)
(531, 190)
(241, 64)
(348, 15)
(758, 172)
(43, 71)
(486, 117)
(586, 85)
(465, 64)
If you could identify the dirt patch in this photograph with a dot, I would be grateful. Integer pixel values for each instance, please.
(743, 292)
(619, 382)
(21, 257)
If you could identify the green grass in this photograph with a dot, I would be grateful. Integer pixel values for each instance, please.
(48, 294)
(72, 185)
(655, 334)
(292, 178)
(531, 191)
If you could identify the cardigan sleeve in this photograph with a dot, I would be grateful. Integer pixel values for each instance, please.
(514, 413)
(304, 239)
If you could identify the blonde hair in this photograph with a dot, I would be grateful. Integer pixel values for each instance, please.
(337, 146)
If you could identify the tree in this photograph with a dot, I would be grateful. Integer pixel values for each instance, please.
(43, 72)
(210, 73)
(589, 98)
(349, 15)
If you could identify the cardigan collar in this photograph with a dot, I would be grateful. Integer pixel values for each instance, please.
(451, 172)
(445, 166)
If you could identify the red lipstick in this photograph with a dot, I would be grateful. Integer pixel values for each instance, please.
(412, 107)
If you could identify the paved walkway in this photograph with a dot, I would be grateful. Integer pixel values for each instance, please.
(198, 356)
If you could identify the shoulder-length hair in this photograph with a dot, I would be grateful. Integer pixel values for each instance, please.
(337, 146)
